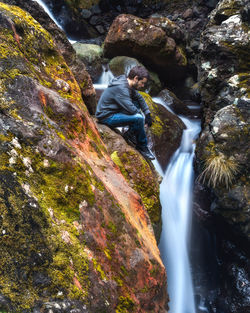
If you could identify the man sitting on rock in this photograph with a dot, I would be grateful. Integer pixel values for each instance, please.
(121, 105)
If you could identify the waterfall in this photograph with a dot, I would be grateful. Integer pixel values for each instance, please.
(176, 199)
(47, 10)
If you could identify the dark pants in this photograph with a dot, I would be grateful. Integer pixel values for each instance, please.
(135, 123)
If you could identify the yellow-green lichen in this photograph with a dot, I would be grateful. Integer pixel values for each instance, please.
(125, 305)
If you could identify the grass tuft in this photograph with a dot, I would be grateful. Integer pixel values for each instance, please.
(219, 170)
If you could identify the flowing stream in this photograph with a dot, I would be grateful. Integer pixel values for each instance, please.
(176, 200)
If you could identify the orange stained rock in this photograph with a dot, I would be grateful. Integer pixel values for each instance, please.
(128, 199)
(42, 98)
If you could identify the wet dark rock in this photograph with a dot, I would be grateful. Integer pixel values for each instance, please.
(224, 141)
(148, 43)
(167, 127)
(224, 85)
(175, 104)
(86, 13)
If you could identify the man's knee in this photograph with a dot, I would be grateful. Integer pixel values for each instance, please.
(139, 118)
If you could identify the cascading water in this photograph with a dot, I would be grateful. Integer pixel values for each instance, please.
(104, 79)
(47, 10)
(176, 198)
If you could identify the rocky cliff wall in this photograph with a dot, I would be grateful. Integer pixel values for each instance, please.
(223, 148)
(75, 237)
(224, 80)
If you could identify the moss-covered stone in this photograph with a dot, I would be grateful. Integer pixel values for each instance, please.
(69, 220)
(166, 128)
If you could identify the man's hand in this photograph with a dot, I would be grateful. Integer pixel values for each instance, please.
(148, 120)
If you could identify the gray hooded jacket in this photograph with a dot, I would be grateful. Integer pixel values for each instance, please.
(120, 98)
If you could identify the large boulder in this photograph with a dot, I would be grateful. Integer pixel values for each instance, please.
(175, 104)
(75, 236)
(139, 173)
(76, 65)
(150, 44)
(167, 128)
(91, 55)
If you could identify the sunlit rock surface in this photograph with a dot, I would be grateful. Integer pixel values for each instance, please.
(151, 44)
(77, 67)
(74, 234)
(139, 173)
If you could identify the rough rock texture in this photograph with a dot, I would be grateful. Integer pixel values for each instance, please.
(122, 64)
(223, 147)
(166, 128)
(84, 18)
(75, 236)
(148, 43)
(76, 65)
(139, 173)
(224, 83)
(71, 16)
(91, 55)
(175, 104)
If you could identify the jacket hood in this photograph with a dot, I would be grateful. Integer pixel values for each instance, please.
(119, 80)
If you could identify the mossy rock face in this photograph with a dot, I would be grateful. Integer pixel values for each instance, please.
(223, 72)
(224, 84)
(91, 55)
(146, 42)
(77, 66)
(72, 226)
(166, 128)
(139, 173)
(121, 65)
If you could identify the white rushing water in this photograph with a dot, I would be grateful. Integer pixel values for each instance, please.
(176, 199)
(47, 10)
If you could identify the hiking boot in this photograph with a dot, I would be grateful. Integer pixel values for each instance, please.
(144, 151)
(130, 137)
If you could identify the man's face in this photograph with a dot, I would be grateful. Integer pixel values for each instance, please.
(139, 84)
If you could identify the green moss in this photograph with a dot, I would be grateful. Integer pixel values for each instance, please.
(112, 227)
(98, 268)
(158, 125)
(125, 305)
(107, 253)
(69, 262)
